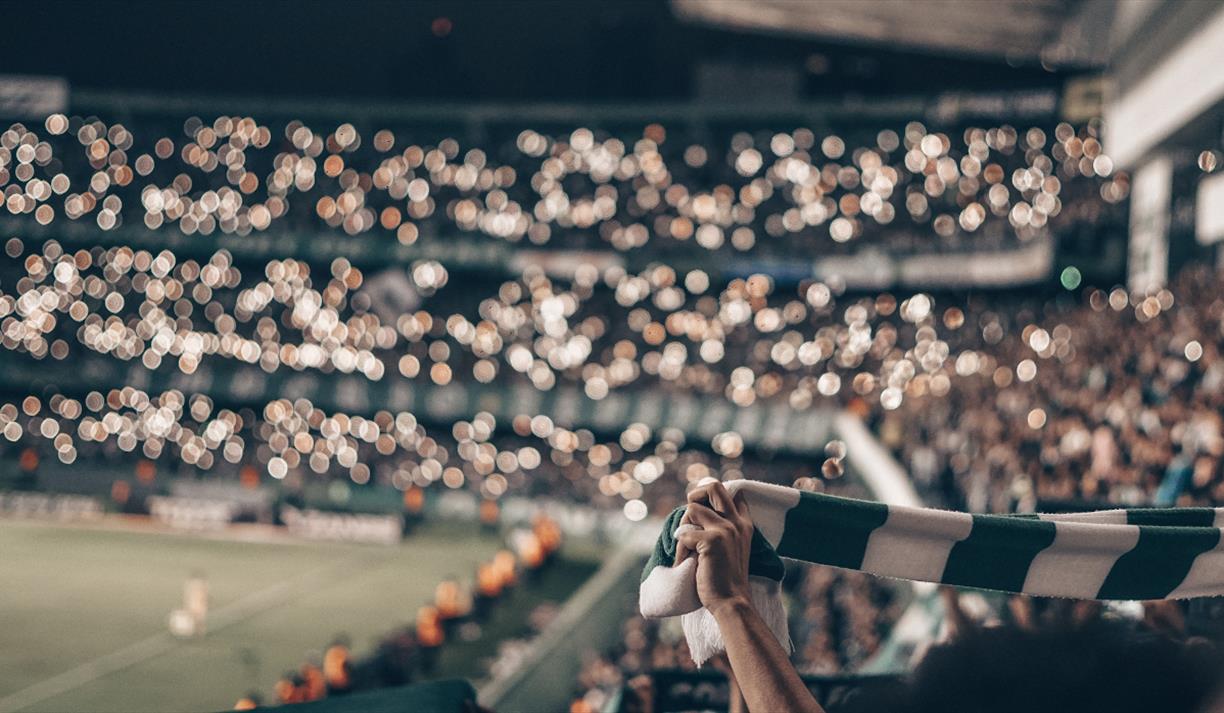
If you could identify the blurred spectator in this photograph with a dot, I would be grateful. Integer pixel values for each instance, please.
(1069, 657)
(1115, 400)
(337, 667)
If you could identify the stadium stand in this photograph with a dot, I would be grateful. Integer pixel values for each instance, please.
(336, 324)
(1111, 397)
(615, 332)
(598, 370)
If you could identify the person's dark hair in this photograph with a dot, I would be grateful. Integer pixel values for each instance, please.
(1100, 666)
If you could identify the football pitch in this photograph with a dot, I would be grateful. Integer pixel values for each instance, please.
(83, 611)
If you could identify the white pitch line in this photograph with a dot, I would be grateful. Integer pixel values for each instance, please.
(157, 644)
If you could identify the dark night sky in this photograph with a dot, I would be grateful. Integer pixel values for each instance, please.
(526, 50)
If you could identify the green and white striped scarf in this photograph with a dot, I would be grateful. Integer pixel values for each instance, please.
(1109, 554)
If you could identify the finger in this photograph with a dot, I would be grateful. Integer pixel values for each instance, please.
(704, 517)
(720, 499)
(701, 493)
(694, 540)
(741, 506)
(682, 552)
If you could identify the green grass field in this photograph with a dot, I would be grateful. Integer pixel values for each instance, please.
(83, 611)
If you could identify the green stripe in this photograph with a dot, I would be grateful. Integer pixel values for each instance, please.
(1159, 563)
(664, 552)
(763, 560)
(997, 553)
(1174, 517)
(825, 529)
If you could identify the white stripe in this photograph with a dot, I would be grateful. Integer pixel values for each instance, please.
(670, 591)
(1080, 558)
(704, 637)
(767, 505)
(914, 543)
(1099, 517)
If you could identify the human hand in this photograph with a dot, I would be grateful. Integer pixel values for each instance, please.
(719, 533)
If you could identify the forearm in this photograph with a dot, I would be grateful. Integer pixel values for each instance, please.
(767, 679)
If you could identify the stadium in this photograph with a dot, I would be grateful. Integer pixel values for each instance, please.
(675, 355)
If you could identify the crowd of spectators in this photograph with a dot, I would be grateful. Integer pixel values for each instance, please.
(601, 327)
(766, 190)
(992, 402)
(1109, 398)
(666, 191)
(1090, 395)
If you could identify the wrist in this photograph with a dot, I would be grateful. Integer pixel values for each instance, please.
(730, 607)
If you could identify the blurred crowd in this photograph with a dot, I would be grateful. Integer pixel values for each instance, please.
(992, 401)
(1001, 401)
(1014, 398)
(761, 190)
(1057, 654)
(1112, 399)
(596, 325)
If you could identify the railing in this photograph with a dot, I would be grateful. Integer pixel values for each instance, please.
(890, 484)
(545, 677)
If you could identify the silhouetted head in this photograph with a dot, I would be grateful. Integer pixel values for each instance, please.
(1100, 666)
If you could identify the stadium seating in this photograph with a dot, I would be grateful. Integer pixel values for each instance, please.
(345, 324)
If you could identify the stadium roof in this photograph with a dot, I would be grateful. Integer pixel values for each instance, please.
(1056, 32)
